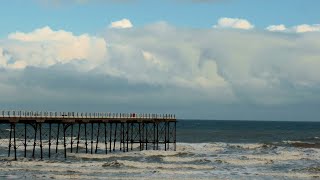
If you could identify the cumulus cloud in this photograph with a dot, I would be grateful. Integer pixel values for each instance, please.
(122, 24)
(161, 66)
(233, 23)
(307, 28)
(279, 27)
(303, 28)
(45, 47)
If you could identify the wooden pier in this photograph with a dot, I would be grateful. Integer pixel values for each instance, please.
(42, 134)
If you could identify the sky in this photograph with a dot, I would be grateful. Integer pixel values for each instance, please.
(199, 59)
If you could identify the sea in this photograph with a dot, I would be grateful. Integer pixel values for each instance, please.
(206, 149)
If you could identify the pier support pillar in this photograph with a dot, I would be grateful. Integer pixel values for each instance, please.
(64, 140)
(127, 134)
(115, 137)
(91, 137)
(40, 134)
(78, 137)
(14, 141)
(10, 141)
(165, 136)
(110, 138)
(35, 139)
(140, 136)
(57, 143)
(50, 139)
(105, 137)
(157, 136)
(175, 136)
(154, 136)
(168, 135)
(71, 138)
(25, 140)
(97, 138)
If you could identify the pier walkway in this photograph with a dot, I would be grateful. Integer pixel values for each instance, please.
(41, 134)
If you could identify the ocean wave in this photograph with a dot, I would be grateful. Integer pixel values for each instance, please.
(251, 146)
(302, 144)
(201, 147)
(191, 160)
(144, 165)
(113, 164)
(281, 155)
(313, 169)
(152, 153)
(246, 162)
(286, 175)
(187, 159)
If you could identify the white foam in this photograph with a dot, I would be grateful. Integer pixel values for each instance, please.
(200, 147)
(117, 154)
(295, 175)
(246, 162)
(292, 142)
(247, 146)
(90, 168)
(280, 156)
(159, 153)
(189, 161)
(185, 159)
(145, 165)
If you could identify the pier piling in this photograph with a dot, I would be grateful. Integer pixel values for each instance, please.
(34, 133)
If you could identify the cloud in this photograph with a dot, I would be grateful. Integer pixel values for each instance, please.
(279, 27)
(122, 24)
(303, 28)
(163, 67)
(307, 28)
(234, 23)
(45, 47)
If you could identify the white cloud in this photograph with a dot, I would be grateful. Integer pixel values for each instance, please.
(164, 63)
(122, 24)
(3, 59)
(307, 28)
(233, 23)
(303, 28)
(44, 47)
(279, 27)
(255, 66)
(154, 61)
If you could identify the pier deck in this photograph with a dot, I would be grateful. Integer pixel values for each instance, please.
(40, 134)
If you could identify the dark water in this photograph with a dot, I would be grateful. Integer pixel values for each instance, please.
(205, 150)
(200, 131)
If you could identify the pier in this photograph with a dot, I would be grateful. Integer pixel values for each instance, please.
(41, 135)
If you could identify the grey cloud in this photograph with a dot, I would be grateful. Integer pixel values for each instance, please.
(63, 88)
(258, 67)
(206, 73)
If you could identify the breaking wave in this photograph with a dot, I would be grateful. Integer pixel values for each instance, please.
(191, 160)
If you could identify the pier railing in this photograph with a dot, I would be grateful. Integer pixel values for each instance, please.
(42, 133)
(52, 114)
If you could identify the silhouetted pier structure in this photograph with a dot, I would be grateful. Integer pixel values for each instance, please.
(39, 134)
